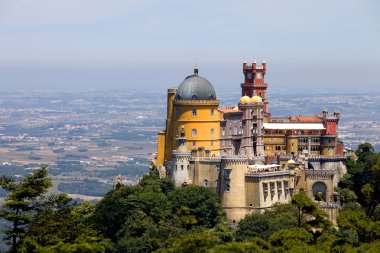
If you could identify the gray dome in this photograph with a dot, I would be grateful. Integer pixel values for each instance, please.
(195, 87)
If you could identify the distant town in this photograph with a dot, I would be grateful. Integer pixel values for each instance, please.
(88, 139)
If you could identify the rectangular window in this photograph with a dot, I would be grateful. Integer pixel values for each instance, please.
(279, 189)
(212, 112)
(286, 186)
(194, 143)
(194, 132)
(194, 113)
(212, 132)
(176, 132)
(227, 173)
(265, 190)
(212, 143)
(272, 190)
(178, 112)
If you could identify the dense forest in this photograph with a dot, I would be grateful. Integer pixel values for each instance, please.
(154, 216)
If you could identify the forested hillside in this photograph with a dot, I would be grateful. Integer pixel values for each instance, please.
(154, 216)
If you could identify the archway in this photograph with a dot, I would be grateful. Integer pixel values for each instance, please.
(319, 191)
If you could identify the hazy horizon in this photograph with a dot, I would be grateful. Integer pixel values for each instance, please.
(127, 45)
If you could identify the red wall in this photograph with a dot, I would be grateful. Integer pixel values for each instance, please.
(330, 127)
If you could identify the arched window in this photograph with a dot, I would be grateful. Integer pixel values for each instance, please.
(194, 113)
(205, 182)
(194, 97)
(212, 112)
(194, 132)
(212, 132)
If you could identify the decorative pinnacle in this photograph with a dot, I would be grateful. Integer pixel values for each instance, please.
(196, 69)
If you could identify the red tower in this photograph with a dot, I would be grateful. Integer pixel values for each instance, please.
(254, 84)
(247, 86)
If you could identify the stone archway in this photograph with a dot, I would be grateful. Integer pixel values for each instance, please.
(319, 191)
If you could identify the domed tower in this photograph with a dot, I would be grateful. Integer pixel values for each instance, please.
(195, 108)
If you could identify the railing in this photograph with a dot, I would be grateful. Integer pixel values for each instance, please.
(195, 101)
(257, 174)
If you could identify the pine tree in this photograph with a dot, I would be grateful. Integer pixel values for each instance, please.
(21, 203)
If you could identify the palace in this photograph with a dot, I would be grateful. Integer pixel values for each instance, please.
(251, 159)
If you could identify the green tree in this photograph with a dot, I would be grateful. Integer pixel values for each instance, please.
(292, 240)
(21, 202)
(191, 243)
(359, 225)
(306, 208)
(363, 178)
(202, 202)
(248, 246)
(253, 225)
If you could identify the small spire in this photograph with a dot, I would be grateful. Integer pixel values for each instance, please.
(196, 70)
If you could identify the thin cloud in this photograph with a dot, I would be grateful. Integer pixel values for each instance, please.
(28, 13)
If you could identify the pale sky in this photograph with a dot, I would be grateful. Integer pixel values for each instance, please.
(122, 44)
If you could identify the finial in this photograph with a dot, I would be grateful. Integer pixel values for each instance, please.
(196, 70)
(245, 61)
(254, 60)
(264, 61)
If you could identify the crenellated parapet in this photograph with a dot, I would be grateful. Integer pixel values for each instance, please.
(235, 159)
(320, 174)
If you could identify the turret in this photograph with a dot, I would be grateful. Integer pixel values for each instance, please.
(181, 161)
(259, 85)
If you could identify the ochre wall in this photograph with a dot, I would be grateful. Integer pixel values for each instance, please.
(292, 145)
(270, 143)
(160, 149)
(203, 122)
(169, 125)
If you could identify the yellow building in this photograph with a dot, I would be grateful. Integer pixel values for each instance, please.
(194, 108)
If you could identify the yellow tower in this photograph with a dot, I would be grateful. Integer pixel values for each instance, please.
(292, 145)
(195, 109)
